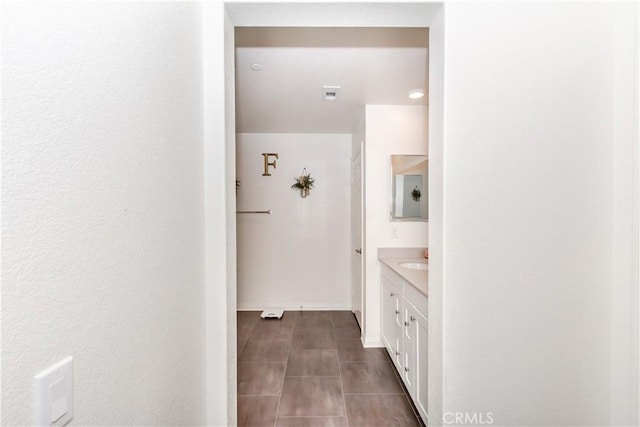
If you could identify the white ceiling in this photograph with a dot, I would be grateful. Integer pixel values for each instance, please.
(286, 95)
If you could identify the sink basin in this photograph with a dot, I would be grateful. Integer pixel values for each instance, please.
(415, 265)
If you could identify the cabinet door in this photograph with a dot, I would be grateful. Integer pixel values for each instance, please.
(389, 302)
(408, 372)
(398, 323)
(419, 330)
(391, 336)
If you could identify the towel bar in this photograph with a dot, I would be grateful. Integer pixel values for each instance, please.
(255, 212)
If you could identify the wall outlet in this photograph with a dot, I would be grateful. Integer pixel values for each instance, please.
(394, 232)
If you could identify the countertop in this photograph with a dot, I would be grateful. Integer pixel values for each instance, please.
(419, 279)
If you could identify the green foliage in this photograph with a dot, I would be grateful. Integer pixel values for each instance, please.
(303, 182)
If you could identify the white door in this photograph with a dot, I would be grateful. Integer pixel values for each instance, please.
(356, 236)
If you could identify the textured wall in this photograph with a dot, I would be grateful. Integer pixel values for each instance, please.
(300, 254)
(102, 205)
(528, 197)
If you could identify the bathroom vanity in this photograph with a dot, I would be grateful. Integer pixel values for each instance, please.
(404, 284)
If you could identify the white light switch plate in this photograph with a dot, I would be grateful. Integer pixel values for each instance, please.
(394, 232)
(54, 394)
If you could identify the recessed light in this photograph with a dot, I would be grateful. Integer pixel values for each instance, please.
(416, 94)
(256, 67)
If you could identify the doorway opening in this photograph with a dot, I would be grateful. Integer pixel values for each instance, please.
(220, 125)
(301, 94)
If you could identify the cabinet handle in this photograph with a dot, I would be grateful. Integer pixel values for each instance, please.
(413, 319)
(406, 369)
(397, 353)
(406, 323)
(391, 294)
(397, 311)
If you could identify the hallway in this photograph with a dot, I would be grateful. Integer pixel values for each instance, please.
(310, 369)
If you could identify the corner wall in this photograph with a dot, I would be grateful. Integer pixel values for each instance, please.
(102, 209)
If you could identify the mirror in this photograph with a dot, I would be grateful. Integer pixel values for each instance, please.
(410, 188)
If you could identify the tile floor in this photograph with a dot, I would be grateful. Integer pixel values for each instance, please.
(310, 369)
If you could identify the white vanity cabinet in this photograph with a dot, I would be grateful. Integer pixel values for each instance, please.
(404, 334)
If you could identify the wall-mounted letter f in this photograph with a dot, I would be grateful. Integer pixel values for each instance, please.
(267, 163)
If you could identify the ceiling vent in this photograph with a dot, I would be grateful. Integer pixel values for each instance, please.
(330, 93)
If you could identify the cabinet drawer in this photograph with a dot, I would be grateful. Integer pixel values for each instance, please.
(417, 299)
(393, 277)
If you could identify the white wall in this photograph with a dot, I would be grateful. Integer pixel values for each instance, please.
(625, 396)
(389, 129)
(103, 225)
(220, 218)
(300, 254)
(528, 211)
(358, 135)
(436, 286)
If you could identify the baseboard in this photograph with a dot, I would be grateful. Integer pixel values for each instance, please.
(297, 308)
(372, 342)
